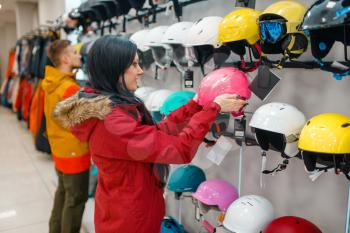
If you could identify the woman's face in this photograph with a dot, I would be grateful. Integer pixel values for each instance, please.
(132, 74)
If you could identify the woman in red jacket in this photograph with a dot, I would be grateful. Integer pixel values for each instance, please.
(131, 152)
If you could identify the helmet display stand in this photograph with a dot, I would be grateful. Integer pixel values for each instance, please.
(239, 135)
(347, 219)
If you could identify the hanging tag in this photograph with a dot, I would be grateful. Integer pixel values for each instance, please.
(219, 150)
(264, 83)
(208, 226)
(188, 77)
(239, 130)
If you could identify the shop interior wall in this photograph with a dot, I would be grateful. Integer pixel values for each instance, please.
(50, 10)
(7, 41)
(291, 192)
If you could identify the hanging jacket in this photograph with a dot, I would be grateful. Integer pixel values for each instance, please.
(14, 91)
(19, 98)
(129, 198)
(44, 61)
(9, 74)
(37, 51)
(70, 155)
(36, 110)
(27, 97)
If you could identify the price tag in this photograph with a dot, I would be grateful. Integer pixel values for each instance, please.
(188, 79)
(219, 151)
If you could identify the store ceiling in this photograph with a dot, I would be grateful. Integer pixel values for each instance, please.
(7, 11)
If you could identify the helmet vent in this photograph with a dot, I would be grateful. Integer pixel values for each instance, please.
(281, 108)
(308, 123)
(345, 125)
(198, 21)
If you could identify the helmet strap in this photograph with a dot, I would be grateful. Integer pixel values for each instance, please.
(280, 167)
(202, 68)
(337, 73)
(209, 142)
(256, 50)
(317, 172)
(209, 227)
(263, 167)
(179, 67)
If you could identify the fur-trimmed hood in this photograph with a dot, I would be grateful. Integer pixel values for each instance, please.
(75, 110)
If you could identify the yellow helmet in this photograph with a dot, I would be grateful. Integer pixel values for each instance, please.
(327, 133)
(78, 47)
(240, 24)
(290, 11)
(279, 31)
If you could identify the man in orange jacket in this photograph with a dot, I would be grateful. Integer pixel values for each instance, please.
(72, 157)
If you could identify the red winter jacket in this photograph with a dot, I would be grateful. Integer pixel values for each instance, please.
(128, 197)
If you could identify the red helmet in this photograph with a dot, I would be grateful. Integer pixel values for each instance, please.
(291, 224)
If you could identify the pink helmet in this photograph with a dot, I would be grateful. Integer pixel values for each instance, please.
(216, 192)
(226, 80)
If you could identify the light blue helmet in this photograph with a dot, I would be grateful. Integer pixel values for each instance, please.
(176, 100)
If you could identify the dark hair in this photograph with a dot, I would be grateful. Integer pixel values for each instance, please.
(55, 50)
(108, 59)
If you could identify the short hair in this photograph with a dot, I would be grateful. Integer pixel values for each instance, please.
(55, 50)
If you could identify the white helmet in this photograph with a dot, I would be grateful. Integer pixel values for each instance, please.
(176, 33)
(144, 92)
(204, 32)
(175, 36)
(144, 51)
(282, 119)
(249, 214)
(156, 99)
(139, 38)
(154, 38)
(202, 44)
(162, 53)
(277, 125)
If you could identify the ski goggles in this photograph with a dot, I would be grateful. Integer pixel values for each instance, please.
(272, 31)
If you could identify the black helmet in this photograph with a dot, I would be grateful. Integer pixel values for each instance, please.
(89, 13)
(103, 8)
(325, 22)
(137, 4)
(113, 6)
(124, 6)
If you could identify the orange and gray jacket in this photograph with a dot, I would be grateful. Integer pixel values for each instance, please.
(70, 155)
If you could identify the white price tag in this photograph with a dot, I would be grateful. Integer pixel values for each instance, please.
(219, 150)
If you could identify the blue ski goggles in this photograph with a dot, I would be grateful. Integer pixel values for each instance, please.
(272, 31)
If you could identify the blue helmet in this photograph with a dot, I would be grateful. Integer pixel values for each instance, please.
(186, 178)
(176, 100)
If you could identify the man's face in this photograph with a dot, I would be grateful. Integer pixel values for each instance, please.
(71, 57)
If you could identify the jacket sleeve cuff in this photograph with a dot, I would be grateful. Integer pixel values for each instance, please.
(194, 106)
(212, 107)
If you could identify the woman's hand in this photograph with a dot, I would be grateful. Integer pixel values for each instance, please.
(230, 103)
